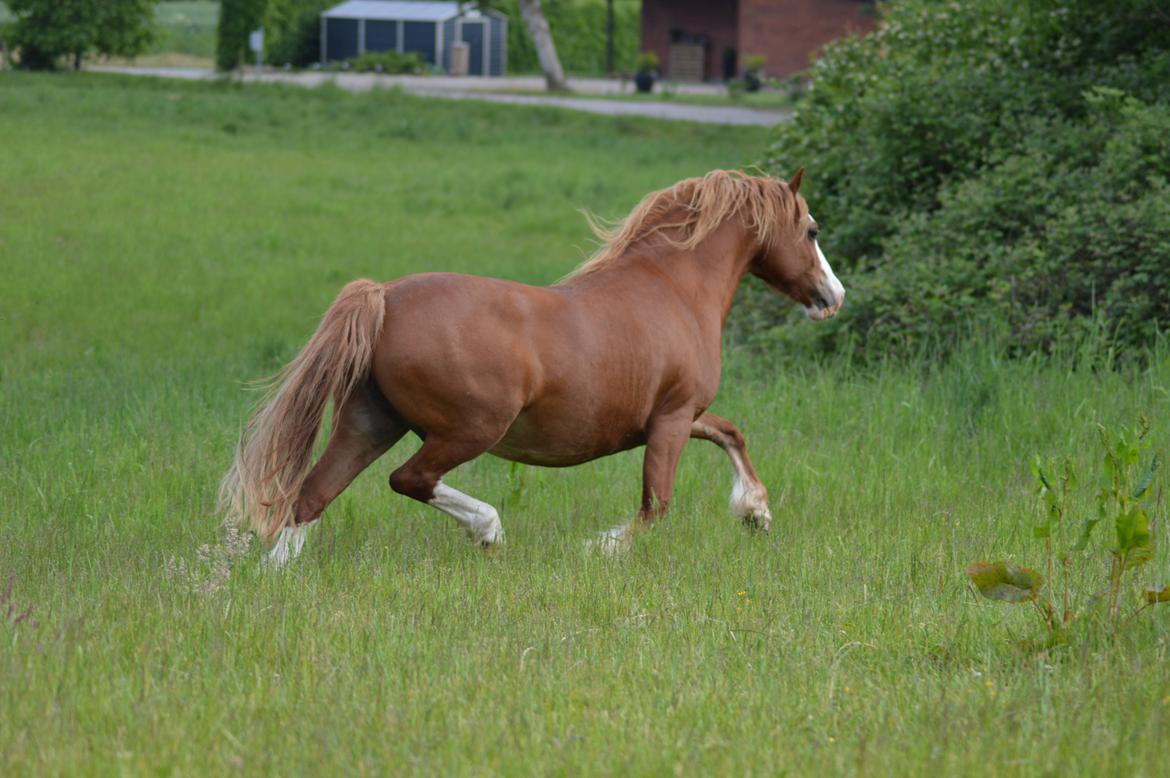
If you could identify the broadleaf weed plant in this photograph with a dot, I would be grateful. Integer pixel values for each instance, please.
(1122, 499)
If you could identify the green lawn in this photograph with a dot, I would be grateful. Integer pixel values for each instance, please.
(162, 244)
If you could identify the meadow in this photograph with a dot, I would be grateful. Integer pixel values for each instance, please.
(163, 244)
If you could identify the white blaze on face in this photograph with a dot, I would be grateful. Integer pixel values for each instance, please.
(836, 290)
(831, 288)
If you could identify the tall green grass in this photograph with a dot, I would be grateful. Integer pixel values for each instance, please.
(164, 243)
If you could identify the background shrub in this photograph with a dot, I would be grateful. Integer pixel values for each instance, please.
(386, 62)
(987, 164)
(47, 31)
(578, 28)
(292, 31)
(237, 19)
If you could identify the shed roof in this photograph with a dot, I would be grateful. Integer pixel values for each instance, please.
(407, 10)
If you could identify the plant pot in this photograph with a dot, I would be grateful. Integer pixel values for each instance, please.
(751, 81)
(644, 82)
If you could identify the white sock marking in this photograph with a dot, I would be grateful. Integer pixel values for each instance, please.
(480, 520)
(749, 498)
(289, 544)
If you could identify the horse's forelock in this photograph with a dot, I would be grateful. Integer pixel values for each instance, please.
(766, 205)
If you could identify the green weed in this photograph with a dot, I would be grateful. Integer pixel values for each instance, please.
(1121, 502)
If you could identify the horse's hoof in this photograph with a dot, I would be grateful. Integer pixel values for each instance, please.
(491, 537)
(751, 505)
(758, 522)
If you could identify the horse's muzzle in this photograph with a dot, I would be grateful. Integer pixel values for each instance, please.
(826, 303)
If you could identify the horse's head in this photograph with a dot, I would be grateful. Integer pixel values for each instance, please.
(792, 263)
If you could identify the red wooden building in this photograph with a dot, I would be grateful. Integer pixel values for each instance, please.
(709, 39)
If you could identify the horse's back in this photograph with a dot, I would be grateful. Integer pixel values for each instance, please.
(455, 341)
(558, 377)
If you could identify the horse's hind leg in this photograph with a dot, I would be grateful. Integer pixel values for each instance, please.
(365, 429)
(421, 479)
(749, 497)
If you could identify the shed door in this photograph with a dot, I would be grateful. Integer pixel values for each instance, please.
(341, 39)
(473, 35)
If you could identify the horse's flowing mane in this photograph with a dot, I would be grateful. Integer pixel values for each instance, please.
(695, 207)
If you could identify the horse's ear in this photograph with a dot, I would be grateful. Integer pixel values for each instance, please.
(794, 184)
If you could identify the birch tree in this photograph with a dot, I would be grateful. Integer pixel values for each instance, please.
(542, 38)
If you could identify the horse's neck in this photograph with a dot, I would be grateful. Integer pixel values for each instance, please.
(708, 275)
(703, 279)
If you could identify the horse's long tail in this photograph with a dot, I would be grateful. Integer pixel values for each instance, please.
(272, 459)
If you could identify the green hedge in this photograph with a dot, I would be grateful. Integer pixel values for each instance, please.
(237, 19)
(578, 27)
(987, 164)
(292, 29)
(578, 30)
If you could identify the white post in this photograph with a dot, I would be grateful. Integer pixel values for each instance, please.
(256, 44)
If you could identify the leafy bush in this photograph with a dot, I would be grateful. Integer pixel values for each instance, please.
(237, 19)
(578, 29)
(754, 63)
(962, 176)
(1066, 232)
(386, 62)
(46, 31)
(293, 31)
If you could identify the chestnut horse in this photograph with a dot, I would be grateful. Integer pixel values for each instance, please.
(623, 352)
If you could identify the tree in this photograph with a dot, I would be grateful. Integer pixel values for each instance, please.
(546, 51)
(237, 18)
(45, 31)
(292, 31)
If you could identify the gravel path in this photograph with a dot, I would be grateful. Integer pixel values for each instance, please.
(488, 90)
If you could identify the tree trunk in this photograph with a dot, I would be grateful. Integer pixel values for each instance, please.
(609, 68)
(534, 20)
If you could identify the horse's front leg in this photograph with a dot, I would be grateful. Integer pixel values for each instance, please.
(665, 440)
(749, 497)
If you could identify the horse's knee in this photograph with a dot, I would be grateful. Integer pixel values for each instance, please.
(412, 483)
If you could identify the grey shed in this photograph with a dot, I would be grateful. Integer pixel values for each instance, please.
(425, 28)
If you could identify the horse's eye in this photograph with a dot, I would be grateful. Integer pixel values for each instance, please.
(812, 233)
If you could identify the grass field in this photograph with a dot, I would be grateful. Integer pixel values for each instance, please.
(162, 244)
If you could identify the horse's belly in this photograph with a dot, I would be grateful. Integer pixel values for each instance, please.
(566, 441)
